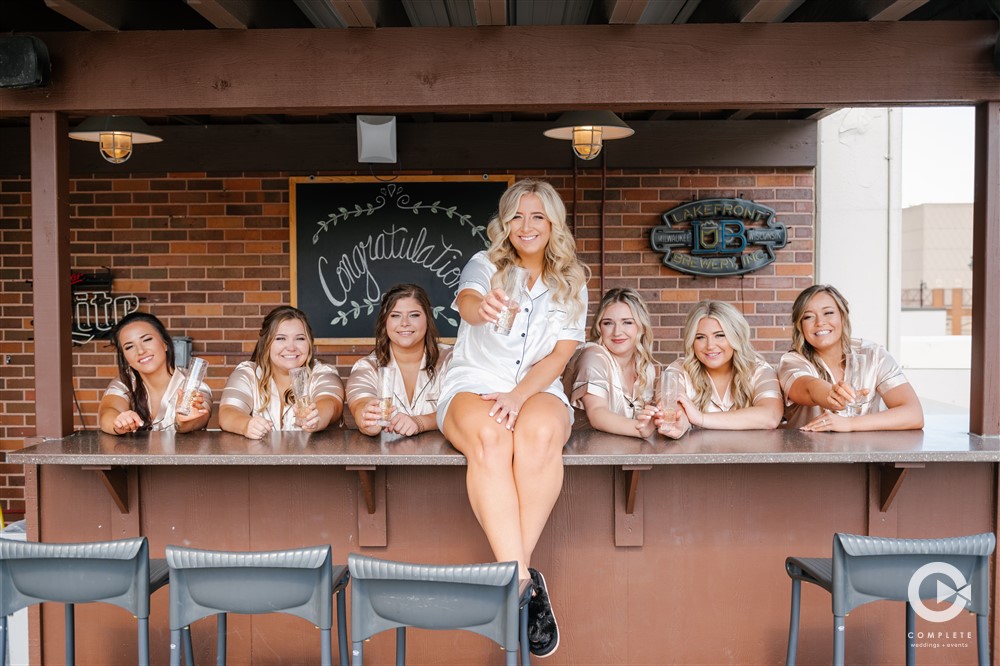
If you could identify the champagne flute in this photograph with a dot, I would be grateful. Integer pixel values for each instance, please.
(515, 285)
(192, 383)
(386, 385)
(300, 390)
(855, 369)
(670, 390)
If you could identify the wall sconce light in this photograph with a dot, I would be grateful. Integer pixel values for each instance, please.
(115, 134)
(377, 139)
(588, 130)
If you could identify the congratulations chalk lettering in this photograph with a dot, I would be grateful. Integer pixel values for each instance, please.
(393, 244)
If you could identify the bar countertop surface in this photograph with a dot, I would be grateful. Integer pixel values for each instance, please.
(943, 439)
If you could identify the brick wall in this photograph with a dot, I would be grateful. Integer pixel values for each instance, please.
(209, 255)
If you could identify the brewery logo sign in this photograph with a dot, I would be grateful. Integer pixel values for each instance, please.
(716, 237)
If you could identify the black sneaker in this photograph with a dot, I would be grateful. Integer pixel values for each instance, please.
(543, 632)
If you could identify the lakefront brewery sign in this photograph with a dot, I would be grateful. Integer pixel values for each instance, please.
(718, 237)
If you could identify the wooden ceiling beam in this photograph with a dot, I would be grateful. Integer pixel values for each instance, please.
(356, 13)
(893, 10)
(224, 14)
(99, 15)
(454, 70)
(768, 11)
(627, 12)
(490, 12)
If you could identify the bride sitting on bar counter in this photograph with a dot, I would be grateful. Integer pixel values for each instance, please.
(502, 403)
(258, 397)
(145, 395)
(813, 373)
(613, 378)
(406, 338)
(723, 383)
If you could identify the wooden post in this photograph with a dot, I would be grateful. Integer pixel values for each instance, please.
(50, 274)
(984, 411)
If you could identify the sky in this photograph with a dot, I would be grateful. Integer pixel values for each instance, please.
(937, 155)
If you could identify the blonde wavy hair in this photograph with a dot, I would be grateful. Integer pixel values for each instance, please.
(644, 345)
(745, 357)
(799, 343)
(262, 351)
(561, 270)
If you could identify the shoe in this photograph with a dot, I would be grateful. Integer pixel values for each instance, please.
(543, 632)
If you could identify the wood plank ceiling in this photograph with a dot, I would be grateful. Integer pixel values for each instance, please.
(45, 16)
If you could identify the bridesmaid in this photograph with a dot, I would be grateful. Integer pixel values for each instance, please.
(812, 373)
(144, 397)
(725, 383)
(613, 378)
(258, 396)
(406, 338)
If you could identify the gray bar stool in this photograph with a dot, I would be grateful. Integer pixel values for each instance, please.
(483, 598)
(865, 569)
(114, 572)
(298, 582)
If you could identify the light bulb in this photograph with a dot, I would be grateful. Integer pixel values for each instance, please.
(116, 147)
(587, 141)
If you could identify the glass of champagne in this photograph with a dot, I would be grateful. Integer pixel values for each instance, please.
(515, 285)
(670, 390)
(386, 384)
(855, 369)
(300, 390)
(195, 376)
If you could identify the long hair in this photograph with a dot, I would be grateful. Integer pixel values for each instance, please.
(382, 343)
(745, 357)
(561, 270)
(262, 351)
(138, 397)
(799, 342)
(644, 345)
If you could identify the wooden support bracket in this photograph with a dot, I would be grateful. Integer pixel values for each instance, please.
(371, 505)
(115, 480)
(628, 505)
(891, 480)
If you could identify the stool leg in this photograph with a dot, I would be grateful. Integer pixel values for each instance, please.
(143, 641)
(400, 646)
(3, 640)
(357, 653)
(175, 648)
(188, 645)
(325, 648)
(793, 623)
(342, 627)
(838, 640)
(70, 637)
(510, 657)
(525, 652)
(982, 637)
(911, 627)
(220, 639)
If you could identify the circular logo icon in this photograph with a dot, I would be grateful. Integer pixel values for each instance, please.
(959, 591)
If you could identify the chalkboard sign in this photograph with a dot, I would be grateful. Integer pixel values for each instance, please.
(353, 238)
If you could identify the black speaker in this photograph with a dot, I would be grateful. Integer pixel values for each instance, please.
(24, 62)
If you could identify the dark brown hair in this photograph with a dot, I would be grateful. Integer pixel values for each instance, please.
(138, 398)
(389, 300)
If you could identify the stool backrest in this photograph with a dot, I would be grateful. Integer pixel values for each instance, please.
(873, 568)
(482, 598)
(205, 582)
(114, 572)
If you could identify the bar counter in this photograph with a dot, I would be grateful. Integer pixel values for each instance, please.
(657, 551)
